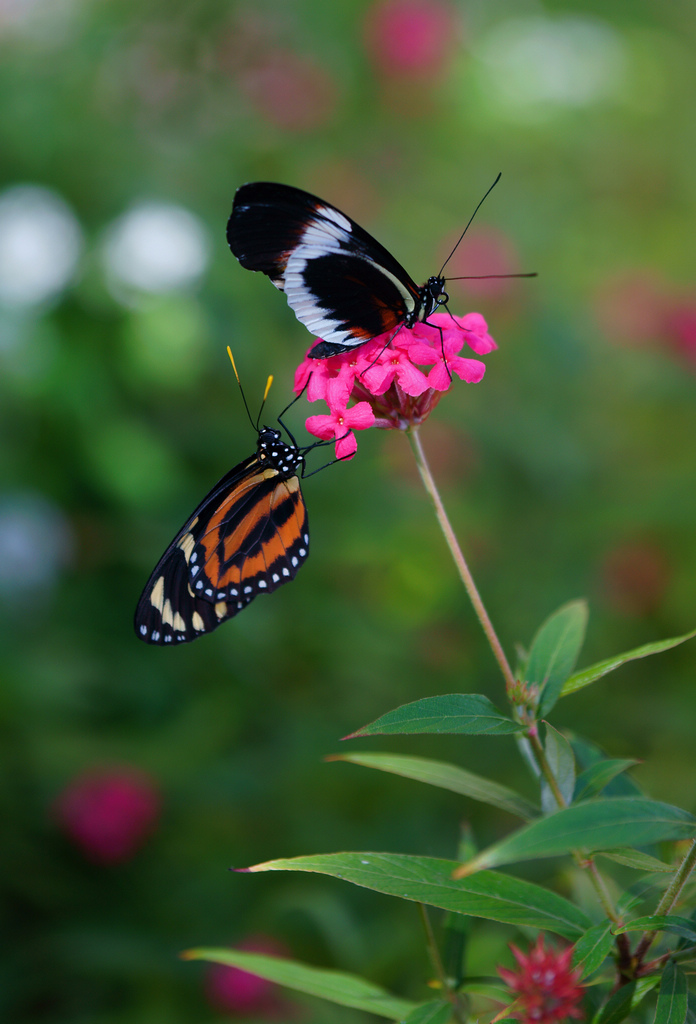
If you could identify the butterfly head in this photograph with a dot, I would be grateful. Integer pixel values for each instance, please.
(273, 452)
(433, 294)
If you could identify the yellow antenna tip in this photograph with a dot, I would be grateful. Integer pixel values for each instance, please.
(229, 353)
(268, 386)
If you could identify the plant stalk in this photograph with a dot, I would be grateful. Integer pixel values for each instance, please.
(669, 897)
(413, 434)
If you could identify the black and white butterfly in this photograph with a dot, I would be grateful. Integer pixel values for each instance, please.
(340, 282)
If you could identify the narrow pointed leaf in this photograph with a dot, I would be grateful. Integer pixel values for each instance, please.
(589, 675)
(636, 859)
(555, 650)
(593, 780)
(593, 948)
(437, 1012)
(335, 986)
(682, 926)
(618, 1006)
(446, 776)
(561, 760)
(490, 894)
(592, 825)
(469, 714)
(673, 997)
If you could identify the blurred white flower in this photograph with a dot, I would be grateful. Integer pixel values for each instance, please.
(155, 247)
(40, 245)
(536, 65)
(36, 18)
(35, 543)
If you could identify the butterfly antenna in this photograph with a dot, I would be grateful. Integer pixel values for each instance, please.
(487, 277)
(241, 389)
(481, 202)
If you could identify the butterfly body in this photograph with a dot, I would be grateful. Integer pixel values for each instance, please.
(248, 536)
(341, 283)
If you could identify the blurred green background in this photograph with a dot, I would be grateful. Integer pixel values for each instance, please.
(126, 127)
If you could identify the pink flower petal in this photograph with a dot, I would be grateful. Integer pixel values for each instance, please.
(346, 446)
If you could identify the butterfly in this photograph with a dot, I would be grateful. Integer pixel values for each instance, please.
(341, 283)
(247, 537)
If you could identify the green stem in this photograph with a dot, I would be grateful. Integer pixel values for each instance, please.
(669, 897)
(438, 966)
(582, 860)
(413, 435)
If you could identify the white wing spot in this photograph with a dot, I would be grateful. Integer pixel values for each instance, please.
(199, 585)
(155, 636)
(143, 630)
(262, 583)
(194, 569)
(302, 552)
(275, 577)
(294, 560)
(286, 571)
(248, 590)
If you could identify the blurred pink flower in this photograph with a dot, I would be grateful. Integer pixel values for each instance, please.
(547, 989)
(484, 250)
(630, 307)
(635, 577)
(289, 91)
(680, 329)
(108, 813)
(411, 38)
(242, 994)
(387, 382)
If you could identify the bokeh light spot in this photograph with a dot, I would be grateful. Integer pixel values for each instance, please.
(539, 66)
(36, 542)
(155, 247)
(40, 245)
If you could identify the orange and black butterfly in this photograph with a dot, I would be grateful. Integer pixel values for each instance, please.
(247, 537)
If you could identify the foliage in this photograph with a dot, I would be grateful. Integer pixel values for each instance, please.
(567, 471)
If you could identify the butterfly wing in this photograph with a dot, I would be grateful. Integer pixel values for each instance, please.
(248, 536)
(339, 280)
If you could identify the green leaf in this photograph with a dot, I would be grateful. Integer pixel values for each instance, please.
(593, 825)
(593, 780)
(682, 926)
(437, 1012)
(617, 1007)
(471, 714)
(555, 650)
(446, 776)
(489, 895)
(636, 859)
(559, 755)
(335, 986)
(593, 948)
(673, 997)
(601, 668)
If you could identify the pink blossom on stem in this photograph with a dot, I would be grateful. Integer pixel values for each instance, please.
(547, 989)
(386, 379)
(108, 813)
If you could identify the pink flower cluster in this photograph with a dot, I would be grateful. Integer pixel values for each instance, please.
(388, 383)
(546, 987)
(108, 813)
